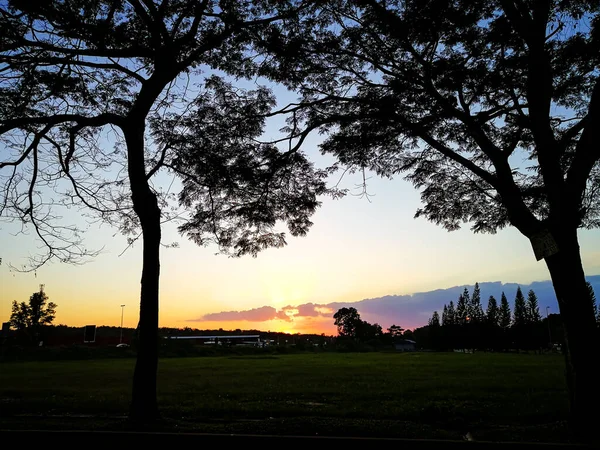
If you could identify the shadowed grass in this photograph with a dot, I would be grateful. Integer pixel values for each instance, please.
(482, 393)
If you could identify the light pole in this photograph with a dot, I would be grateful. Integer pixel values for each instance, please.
(121, 338)
(549, 331)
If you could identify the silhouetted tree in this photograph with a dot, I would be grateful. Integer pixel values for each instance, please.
(395, 331)
(533, 310)
(462, 310)
(519, 330)
(451, 313)
(29, 317)
(535, 334)
(492, 312)
(71, 69)
(347, 321)
(447, 92)
(467, 300)
(520, 316)
(408, 334)
(504, 319)
(435, 332)
(445, 315)
(369, 333)
(492, 328)
(476, 311)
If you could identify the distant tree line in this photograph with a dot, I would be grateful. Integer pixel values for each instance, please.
(357, 334)
(465, 325)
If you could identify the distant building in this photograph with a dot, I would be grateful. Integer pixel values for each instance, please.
(405, 345)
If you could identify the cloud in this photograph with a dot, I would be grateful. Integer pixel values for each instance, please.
(324, 310)
(265, 313)
(307, 310)
(261, 314)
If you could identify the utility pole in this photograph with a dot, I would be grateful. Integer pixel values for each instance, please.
(549, 330)
(121, 338)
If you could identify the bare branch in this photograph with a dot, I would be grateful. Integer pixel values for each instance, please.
(94, 121)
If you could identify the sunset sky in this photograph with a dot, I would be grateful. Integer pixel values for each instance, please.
(355, 250)
(358, 248)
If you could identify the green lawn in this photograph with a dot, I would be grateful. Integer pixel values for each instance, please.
(494, 396)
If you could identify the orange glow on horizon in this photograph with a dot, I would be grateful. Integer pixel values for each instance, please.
(303, 325)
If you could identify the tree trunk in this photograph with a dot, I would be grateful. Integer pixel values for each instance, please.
(582, 352)
(144, 407)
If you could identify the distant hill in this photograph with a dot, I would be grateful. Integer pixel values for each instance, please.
(414, 310)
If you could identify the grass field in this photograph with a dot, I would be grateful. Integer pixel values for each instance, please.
(442, 395)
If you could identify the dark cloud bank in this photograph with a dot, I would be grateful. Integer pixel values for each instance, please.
(406, 310)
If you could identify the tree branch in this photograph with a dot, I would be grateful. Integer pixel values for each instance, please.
(70, 61)
(153, 29)
(94, 121)
(133, 52)
(572, 132)
(449, 153)
(30, 147)
(159, 164)
(587, 151)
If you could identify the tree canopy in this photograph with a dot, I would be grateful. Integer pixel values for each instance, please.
(78, 76)
(489, 107)
(33, 314)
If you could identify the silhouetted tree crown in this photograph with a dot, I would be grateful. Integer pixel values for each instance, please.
(395, 330)
(347, 321)
(520, 316)
(350, 325)
(475, 310)
(38, 311)
(492, 312)
(533, 310)
(451, 313)
(505, 319)
(435, 320)
(462, 309)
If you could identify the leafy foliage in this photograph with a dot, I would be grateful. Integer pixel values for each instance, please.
(451, 313)
(435, 320)
(78, 75)
(350, 325)
(35, 313)
(488, 107)
(462, 311)
(475, 310)
(492, 312)
(533, 310)
(395, 330)
(505, 318)
(347, 321)
(238, 187)
(520, 313)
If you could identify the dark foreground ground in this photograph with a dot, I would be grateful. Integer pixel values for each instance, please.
(494, 397)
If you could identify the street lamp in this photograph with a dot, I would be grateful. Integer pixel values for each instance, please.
(122, 310)
(549, 331)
